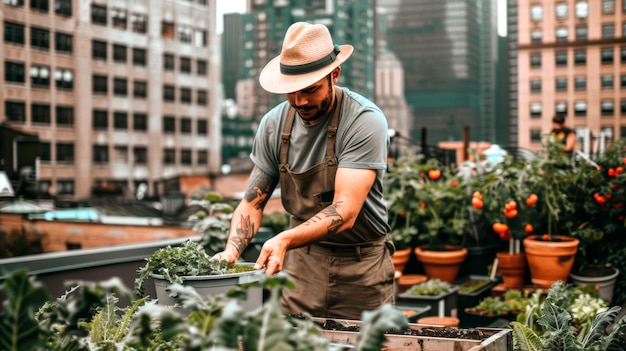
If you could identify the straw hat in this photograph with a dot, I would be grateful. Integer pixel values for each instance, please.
(308, 55)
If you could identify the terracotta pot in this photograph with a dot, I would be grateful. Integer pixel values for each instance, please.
(604, 281)
(400, 259)
(550, 261)
(451, 322)
(406, 281)
(441, 264)
(512, 268)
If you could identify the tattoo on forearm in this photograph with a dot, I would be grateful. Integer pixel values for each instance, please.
(245, 232)
(259, 189)
(330, 211)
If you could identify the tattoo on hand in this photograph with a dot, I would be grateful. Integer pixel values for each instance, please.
(245, 232)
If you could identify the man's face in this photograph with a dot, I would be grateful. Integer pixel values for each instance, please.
(313, 102)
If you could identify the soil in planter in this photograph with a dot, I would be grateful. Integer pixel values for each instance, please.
(437, 332)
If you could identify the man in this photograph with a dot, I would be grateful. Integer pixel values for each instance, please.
(562, 135)
(327, 147)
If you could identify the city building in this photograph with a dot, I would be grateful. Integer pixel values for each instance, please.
(118, 93)
(571, 60)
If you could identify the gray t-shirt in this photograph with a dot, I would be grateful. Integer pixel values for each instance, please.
(362, 142)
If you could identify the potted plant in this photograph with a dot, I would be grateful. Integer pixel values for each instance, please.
(599, 219)
(429, 203)
(441, 296)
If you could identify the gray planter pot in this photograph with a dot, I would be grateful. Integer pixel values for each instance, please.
(605, 284)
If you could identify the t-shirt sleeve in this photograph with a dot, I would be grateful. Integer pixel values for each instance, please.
(265, 147)
(365, 142)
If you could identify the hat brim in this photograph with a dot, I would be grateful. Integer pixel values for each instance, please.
(272, 80)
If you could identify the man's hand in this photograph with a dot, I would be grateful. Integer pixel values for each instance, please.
(272, 255)
(229, 254)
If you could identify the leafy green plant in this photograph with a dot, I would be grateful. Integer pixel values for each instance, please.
(177, 262)
(432, 286)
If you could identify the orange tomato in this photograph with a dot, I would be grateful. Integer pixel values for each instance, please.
(434, 174)
(512, 213)
(477, 194)
(422, 204)
(528, 228)
(477, 203)
(531, 200)
(454, 184)
(500, 228)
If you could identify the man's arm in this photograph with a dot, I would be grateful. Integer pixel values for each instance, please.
(570, 140)
(248, 215)
(351, 189)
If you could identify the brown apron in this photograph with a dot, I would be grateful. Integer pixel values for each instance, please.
(345, 274)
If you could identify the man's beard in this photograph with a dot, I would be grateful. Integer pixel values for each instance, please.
(324, 108)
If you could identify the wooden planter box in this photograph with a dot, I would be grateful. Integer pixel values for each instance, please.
(442, 305)
(492, 339)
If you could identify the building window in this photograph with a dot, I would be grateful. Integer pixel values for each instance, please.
(608, 7)
(582, 9)
(139, 57)
(580, 83)
(199, 38)
(536, 13)
(580, 57)
(65, 116)
(169, 124)
(65, 152)
(65, 187)
(44, 152)
(203, 157)
(201, 67)
(100, 154)
(561, 34)
(64, 78)
(14, 3)
(202, 127)
(99, 14)
(120, 154)
(100, 119)
(535, 85)
(119, 53)
(140, 89)
(580, 108)
(14, 72)
(100, 84)
(119, 17)
(138, 21)
(623, 109)
(98, 50)
(63, 8)
(582, 33)
(39, 76)
(560, 108)
(561, 84)
(185, 64)
(63, 43)
(185, 125)
(40, 38)
(120, 120)
(167, 30)
(608, 31)
(39, 5)
(623, 54)
(561, 58)
(169, 156)
(535, 136)
(535, 59)
(15, 111)
(140, 155)
(120, 86)
(607, 56)
(185, 157)
(623, 81)
(169, 93)
(202, 97)
(607, 107)
(13, 33)
(535, 110)
(561, 10)
(185, 34)
(607, 81)
(40, 113)
(185, 95)
(536, 36)
(168, 62)
(140, 122)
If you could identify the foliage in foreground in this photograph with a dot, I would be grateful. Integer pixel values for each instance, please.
(89, 316)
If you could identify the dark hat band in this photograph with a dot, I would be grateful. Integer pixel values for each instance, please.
(292, 70)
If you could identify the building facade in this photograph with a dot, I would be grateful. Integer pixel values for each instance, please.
(571, 60)
(118, 92)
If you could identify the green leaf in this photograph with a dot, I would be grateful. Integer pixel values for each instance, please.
(525, 338)
(375, 324)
